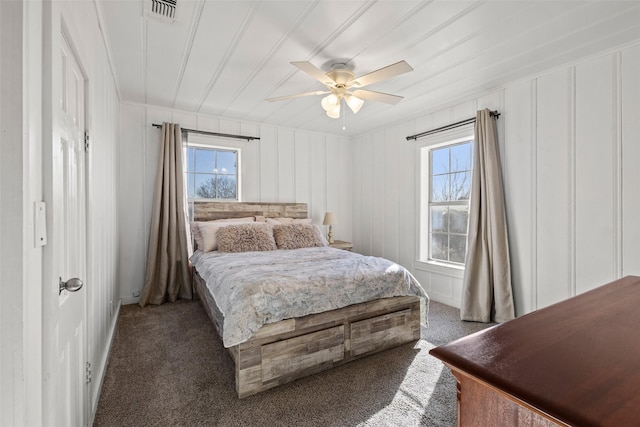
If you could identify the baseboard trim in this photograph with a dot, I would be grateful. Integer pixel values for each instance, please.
(129, 300)
(103, 363)
(444, 299)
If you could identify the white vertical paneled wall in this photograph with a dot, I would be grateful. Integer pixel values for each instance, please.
(285, 165)
(14, 255)
(629, 90)
(555, 149)
(104, 299)
(596, 170)
(569, 146)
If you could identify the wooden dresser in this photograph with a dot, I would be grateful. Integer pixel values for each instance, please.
(573, 363)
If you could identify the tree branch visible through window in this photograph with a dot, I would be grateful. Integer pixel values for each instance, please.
(219, 187)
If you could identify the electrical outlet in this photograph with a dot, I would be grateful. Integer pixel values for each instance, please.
(136, 292)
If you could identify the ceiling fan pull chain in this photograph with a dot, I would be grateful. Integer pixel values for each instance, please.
(344, 118)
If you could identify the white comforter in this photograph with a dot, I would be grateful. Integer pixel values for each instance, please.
(255, 288)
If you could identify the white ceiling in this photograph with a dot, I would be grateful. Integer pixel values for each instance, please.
(224, 57)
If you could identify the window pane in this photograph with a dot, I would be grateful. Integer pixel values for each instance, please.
(205, 186)
(439, 247)
(225, 187)
(460, 186)
(191, 159)
(449, 190)
(439, 161)
(461, 157)
(471, 155)
(191, 187)
(439, 218)
(211, 173)
(440, 188)
(226, 162)
(458, 217)
(458, 248)
(205, 160)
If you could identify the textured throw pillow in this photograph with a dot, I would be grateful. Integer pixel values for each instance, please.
(296, 236)
(209, 232)
(246, 238)
(283, 220)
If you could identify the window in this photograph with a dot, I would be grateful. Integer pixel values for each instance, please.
(447, 208)
(212, 173)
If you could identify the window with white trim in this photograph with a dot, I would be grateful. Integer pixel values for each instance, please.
(212, 173)
(446, 188)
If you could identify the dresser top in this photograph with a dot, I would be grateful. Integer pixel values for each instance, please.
(577, 360)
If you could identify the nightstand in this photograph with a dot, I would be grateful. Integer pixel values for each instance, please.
(341, 244)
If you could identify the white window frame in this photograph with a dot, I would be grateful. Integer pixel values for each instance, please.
(213, 143)
(424, 148)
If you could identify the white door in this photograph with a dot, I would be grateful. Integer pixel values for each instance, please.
(71, 389)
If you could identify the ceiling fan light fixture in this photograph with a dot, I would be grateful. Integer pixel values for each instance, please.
(329, 102)
(334, 112)
(354, 103)
(340, 79)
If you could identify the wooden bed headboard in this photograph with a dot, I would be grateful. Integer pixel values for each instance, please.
(208, 211)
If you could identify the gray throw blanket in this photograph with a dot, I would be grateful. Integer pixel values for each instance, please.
(251, 289)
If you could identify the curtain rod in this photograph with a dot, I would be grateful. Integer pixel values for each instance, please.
(204, 132)
(447, 127)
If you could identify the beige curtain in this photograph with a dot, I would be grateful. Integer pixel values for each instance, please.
(168, 276)
(486, 288)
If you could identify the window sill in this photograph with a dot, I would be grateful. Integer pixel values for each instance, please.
(201, 200)
(440, 268)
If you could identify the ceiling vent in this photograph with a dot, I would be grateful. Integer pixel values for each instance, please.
(164, 8)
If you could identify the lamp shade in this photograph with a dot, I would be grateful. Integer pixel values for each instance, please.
(330, 219)
(334, 113)
(354, 103)
(329, 102)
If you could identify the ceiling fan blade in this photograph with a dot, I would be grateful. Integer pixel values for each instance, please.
(298, 95)
(383, 73)
(314, 72)
(378, 96)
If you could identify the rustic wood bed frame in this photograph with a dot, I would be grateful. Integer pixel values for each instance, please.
(294, 348)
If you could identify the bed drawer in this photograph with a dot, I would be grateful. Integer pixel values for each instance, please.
(302, 355)
(377, 333)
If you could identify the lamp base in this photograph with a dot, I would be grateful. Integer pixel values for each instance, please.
(330, 235)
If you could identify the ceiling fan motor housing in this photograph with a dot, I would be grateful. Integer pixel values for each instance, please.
(341, 75)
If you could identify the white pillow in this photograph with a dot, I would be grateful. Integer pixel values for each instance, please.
(244, 219)
(195, 233)
(287, 221)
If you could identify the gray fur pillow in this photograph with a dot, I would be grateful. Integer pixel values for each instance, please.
(246, 238)
(296, 236)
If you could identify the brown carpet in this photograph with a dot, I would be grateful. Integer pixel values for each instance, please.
(168, 368)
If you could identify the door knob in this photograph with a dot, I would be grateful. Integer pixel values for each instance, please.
(71, 285)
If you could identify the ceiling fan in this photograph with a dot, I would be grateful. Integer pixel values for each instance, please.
(342, 83)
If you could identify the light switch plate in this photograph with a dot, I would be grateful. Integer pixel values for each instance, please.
(40, 236)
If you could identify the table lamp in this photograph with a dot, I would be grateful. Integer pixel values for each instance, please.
(330, 219)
